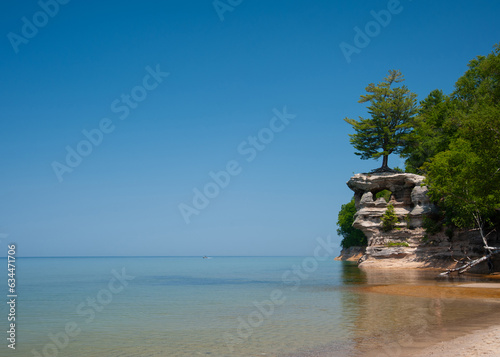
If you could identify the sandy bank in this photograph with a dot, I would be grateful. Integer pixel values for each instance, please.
(479, 338)
(484, 343)
(409, 262)
(458, 291)
(472, 333)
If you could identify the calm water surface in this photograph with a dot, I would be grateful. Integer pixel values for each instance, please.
(224, 306)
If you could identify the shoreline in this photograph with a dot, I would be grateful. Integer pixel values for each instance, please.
(483, 291)
(483, 342)
(473, 336)
(478, 341)
(477, 337)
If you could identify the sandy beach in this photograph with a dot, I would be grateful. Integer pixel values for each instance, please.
(474, 340)
(484, 343)
(475, 336)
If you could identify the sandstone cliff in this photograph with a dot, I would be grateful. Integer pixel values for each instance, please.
(351, 254)
(407, 245)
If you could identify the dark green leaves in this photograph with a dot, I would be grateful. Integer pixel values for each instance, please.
(351, 236)
(464, 173)
(391, 109)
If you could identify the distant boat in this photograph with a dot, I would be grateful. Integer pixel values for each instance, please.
(205, 257)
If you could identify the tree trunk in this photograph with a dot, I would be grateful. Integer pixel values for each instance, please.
(491, 251)
(465, 267)
(385, 162)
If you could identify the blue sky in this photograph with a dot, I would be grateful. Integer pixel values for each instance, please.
(228, 75)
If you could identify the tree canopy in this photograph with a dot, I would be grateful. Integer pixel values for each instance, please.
(391, 109)
(432, 131)
(441, 118)
(464, 174)
(480, 85)
(351, 236)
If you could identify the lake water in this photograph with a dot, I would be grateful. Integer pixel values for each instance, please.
(224, 306)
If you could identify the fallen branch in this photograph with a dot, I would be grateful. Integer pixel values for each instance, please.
(472, 263)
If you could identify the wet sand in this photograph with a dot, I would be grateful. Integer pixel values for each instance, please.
(480, 338)
(458, 291)
(433, 328)
(484, 343)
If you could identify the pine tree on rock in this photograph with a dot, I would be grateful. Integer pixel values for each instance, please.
(386, 131)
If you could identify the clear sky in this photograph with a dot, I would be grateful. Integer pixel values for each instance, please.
(100, 68)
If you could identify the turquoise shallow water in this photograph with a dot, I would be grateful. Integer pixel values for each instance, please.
(224, 306)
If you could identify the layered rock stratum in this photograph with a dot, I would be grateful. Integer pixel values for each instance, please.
(408, 244)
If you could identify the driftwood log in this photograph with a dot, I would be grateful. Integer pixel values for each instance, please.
(491, 250)
(467, 266)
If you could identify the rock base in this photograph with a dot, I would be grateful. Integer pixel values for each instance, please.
(407, 245)
(352, 254)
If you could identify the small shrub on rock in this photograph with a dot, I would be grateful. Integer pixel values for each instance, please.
(389, 219)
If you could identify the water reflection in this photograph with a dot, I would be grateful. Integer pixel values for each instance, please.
(352, 275)
(378, 320)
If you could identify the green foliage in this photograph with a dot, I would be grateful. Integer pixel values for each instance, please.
(432, 224)
(386, 131)
(407, 220)
(398, 244)
(480, 85)
(427, 241)
(449, 232)
(466, 176)
(389, 219)
(351, 236)
(433, 131)
(385, 194)
(467, 179)
(439, 219)
(440, 117)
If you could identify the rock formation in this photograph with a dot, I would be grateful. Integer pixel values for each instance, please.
(409, 198)
(407, 245)
(352, 254)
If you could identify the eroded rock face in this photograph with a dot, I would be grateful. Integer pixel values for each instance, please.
(410, 201)
(408, 245)
(351, 254)
(409, 198)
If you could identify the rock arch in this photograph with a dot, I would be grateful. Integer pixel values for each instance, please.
(409, 198)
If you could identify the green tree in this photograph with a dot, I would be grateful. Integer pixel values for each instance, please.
(433, 131)
(480, 85)
(440, 116)
(351, 236)
(391, 109)
(467, 175)
(385, 194)
(465, 178)
(389, 219)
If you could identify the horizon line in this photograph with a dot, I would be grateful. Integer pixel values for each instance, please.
(160, 256)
